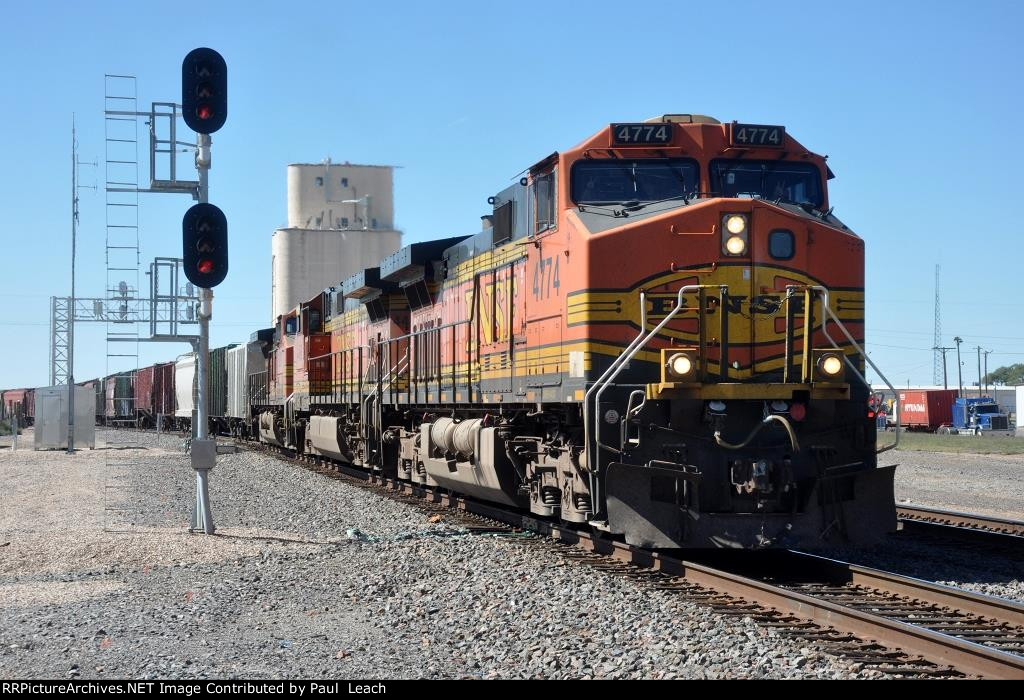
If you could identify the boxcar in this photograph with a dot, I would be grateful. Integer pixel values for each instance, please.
(20, 403)
(154, 393)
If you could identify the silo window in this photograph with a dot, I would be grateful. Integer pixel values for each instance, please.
(319, 182)
(373, 223)
(344, 222)
(344, 182)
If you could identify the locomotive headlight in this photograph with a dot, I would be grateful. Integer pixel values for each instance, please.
(735, 233)
(830, 365)
(735, 245)
(736, 223)
(680, 364)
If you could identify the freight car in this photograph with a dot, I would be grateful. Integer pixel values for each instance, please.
(243, 362)
(217, 401)
(119, 399)
(154, 395)
(659, 334)
(20, 404)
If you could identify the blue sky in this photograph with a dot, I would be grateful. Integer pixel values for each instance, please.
(917, 105)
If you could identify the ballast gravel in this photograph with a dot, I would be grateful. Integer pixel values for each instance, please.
(312, 577)
(973, 483)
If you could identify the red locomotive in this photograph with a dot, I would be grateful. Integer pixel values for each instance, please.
(658, 334)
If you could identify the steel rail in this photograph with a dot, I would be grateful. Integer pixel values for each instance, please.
(971, 522)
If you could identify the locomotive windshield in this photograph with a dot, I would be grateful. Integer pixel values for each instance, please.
(795, 183)
(648, 180)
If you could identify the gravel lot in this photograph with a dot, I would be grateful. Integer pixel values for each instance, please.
(311, 577)
(987, 484)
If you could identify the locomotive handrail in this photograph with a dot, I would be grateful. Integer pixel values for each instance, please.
(617, 366)
(824, 329)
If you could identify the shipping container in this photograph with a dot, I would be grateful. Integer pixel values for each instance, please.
(926, 409)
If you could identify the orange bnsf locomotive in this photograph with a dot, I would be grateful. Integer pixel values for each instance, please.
(658, 333)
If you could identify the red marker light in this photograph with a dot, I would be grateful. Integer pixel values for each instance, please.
(205, 266)
(798, 411)
(204, 112)
(871, 414)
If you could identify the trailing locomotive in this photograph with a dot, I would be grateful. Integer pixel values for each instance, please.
(659, 334)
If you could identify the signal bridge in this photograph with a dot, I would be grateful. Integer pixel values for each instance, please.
(169, 309)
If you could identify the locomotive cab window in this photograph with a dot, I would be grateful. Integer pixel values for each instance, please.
(544, 188)
(785, 181)
(646, 180)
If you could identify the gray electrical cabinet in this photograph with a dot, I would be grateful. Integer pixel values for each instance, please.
(51, 429)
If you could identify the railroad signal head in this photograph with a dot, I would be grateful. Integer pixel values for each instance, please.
(205, 245)
(204, 90)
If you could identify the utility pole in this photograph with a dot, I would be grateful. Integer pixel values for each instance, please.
(978, 348)
(986, 372)
(938, 329)
(71, 301)
(959, 364)
(943, 350)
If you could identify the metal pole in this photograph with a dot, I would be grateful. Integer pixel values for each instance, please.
(71, 301)
(959, 365)
(979, 371)
(986, 374)
(204, 451)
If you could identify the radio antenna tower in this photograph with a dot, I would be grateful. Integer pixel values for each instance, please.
(937, 374)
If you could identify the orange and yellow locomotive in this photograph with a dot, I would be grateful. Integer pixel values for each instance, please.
(658, 333)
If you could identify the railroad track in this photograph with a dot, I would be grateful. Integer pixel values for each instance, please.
(961, 526)
(875, 619)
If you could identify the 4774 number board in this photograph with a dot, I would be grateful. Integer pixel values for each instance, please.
(758, 135)
(640, 134)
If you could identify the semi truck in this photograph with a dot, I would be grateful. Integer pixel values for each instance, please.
(974, 416)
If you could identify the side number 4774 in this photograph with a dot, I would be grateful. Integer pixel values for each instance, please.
(545, 278)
